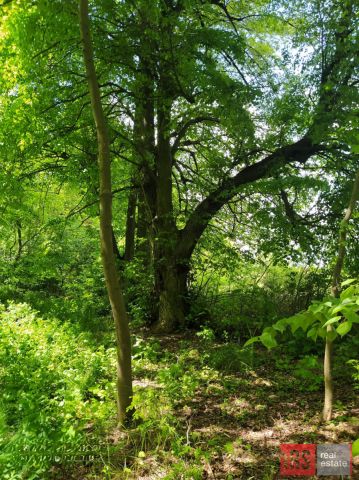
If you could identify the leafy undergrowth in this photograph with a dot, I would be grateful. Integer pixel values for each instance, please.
(203, 410)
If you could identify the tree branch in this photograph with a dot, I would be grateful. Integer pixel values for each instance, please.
(183, 130)
(299, 151)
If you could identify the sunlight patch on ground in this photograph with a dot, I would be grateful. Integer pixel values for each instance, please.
(145, 382)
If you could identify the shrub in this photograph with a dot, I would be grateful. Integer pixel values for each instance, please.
(230, 358)
(52, 383)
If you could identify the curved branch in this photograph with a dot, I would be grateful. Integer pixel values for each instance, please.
(299, 151)
(183, 130)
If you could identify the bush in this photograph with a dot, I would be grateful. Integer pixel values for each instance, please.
(254, 304)
(230, 358)
(52, 383)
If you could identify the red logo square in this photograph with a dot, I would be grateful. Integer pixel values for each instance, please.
(297, 459)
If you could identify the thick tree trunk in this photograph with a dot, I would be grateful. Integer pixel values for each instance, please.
(328, 355)
(144, 149)
(168, 282)
(124, 372)
(172, 294)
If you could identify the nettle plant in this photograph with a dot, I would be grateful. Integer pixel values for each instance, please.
(338, 313)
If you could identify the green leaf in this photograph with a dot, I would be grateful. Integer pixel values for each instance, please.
(344, 328)
(337, 309)
(332, 320)
(322, 332)
(350, 315)
(316, 308)
(347, 292)
(269, 330)
(348, 301)
(355, 448)
(295, 323)
(268, 340)
(348, 282)
(313, 333)
(302, 320)
(251, 340)
(321, 317)
(281, 325)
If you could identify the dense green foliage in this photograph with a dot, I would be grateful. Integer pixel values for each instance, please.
(340, 313)
(53, 384)
(233, 138)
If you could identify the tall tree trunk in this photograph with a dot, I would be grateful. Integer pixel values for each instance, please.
(328, 354)
(146, 208)
(143, 246)
(144, 144)
(144, 156)
(124, 372)
(130, 226)
(168, 281)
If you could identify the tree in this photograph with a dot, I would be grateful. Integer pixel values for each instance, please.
(173, 246)
(328, 382)
(201, 105)
(124, 372)
(339, 310)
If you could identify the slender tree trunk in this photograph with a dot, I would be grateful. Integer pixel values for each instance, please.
(143, 246)
(328, 381)
(146, 212)
(124, 372)
(328, 355)
(130, 226)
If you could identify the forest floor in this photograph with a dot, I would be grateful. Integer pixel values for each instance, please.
(251, 412)
(216, 412)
